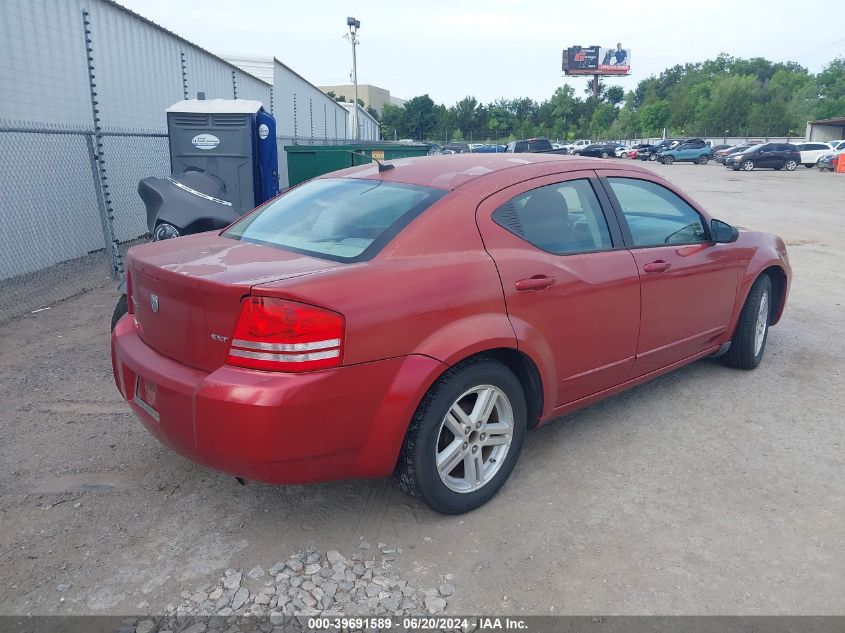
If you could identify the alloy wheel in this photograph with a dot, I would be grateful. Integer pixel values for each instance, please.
(747, 165)
(762, 323)
(474, 438)
(791, 165)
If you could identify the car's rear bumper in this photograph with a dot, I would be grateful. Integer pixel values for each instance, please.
(347, 422)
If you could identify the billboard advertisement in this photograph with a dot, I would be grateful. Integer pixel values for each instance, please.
(595, 60)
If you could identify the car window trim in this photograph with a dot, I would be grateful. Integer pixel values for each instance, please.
(617, 238)
(623, 221)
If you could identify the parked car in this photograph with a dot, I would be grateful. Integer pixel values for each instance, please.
(455, 148)
(636, 149)
(828, 162)
(694, 150)
(811, 152)
(720, 154)
(624, 151)
(576, 146)
(599, 150)
(532, 145)
(837, 145)
(280, 349)
(719, 147)
(489, 149)
(651, 153)
(765, 155)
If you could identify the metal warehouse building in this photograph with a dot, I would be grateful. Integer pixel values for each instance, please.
(84, 85)
(826, 129)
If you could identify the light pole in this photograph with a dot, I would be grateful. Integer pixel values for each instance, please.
(354, 25)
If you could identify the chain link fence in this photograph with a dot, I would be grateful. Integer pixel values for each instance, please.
(70, 209)
(55, 238)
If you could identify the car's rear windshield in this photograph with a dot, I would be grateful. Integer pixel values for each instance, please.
(342, 219)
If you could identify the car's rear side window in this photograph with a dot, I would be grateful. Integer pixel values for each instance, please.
(342, 219)
(563, 218)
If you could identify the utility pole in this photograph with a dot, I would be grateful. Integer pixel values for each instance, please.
(354, 25)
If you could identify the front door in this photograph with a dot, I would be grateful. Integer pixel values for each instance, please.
(769, 157)
(688, 282)
(571, 288)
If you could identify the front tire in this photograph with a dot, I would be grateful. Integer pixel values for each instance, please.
(465, 437)
(752, 330)
(652, 157)
(702, 160)
(623, 155)
(668, 160)
(748, 165)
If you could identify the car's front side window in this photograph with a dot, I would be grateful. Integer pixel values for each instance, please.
(655, 215)
(563, 218)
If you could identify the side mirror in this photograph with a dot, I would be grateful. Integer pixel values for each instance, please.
(722, 232)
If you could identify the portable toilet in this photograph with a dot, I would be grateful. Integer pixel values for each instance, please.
(233, 139)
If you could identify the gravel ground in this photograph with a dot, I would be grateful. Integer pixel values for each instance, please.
(706, 491)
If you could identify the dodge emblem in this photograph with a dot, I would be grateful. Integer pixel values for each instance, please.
(154, 302)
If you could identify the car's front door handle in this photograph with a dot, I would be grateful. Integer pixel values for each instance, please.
(537, 282)
(656, 267)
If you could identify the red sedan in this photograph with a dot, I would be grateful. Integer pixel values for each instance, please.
(419, 319)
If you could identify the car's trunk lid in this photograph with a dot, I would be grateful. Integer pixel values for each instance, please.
(187, 292)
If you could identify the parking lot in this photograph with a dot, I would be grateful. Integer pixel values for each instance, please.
(706, 491)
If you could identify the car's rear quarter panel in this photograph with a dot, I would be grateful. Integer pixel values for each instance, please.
(433, 290)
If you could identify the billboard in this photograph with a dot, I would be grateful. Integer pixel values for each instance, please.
(595, 60)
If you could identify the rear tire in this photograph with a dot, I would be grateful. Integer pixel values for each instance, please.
(791, 165)
(623, 155)
(604, 154)
(119, 310)
(752, 330)
(455, 490)
(652, 157)
(809, 165)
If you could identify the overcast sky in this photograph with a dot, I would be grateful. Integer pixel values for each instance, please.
(498, 48)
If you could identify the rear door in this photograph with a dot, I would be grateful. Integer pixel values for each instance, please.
(571, 288)
(688, 282)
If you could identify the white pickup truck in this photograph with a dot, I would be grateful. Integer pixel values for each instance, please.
(577, 146)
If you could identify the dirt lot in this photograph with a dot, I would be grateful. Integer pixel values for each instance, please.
(707, 491)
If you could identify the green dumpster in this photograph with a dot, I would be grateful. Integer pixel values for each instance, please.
(308, 161)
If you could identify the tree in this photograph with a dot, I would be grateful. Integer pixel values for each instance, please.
(601, 120)
(614, 95)
(653, 118)
(373, 113)
(393, 120)
(464, 113)
(730, 103)
(420, 117)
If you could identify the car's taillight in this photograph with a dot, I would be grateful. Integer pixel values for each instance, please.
(130, 305)
(281, 335)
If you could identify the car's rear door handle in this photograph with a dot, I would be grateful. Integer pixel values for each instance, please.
(657, 267)
(537, 282)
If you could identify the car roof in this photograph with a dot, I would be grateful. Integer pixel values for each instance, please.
(453, 171)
